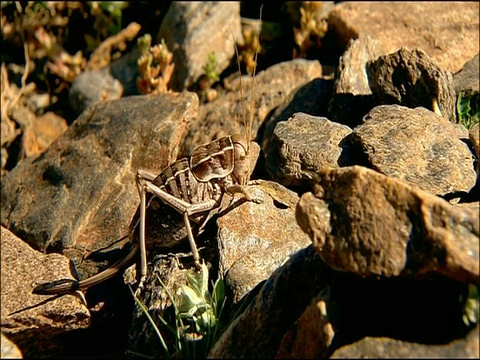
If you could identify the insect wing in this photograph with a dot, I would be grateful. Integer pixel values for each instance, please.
(214, 160)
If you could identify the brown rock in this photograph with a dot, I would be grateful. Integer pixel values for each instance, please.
(33, 321)
(447, 32)
(80, 194)
(418, 147)
(224, 115)
(364, 222)
(200, 29)
(312, 335)
(251, 243)
(412, 79)
(303, 144)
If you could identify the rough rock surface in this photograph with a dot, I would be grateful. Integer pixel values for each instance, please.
(209, 29)
(89, 173)
(352, 97)
(251, 243)
(364, 222)
(412, 79)
(417, 146)
(305, 144)
(33, 321)
(447, 32)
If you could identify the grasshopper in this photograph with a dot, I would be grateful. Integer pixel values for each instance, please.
(194, 186)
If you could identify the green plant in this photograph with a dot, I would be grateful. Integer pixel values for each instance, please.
(210, 68)
(197, 316)
(470, 305)
(468, 109)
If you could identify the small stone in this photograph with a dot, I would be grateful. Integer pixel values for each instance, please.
(305, 144)
(412, 79)
(211, 28)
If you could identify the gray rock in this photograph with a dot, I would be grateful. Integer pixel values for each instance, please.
(303, 144)
(33, 321)
(80, 194)
(467, 80)
(251, 243)
(412, 79)
(311, 98)
(364, 222)
(352, 97)
(224, 115)
(200, 28)
(418, 147)
(447, 32)
(117, 80)
(93, 86)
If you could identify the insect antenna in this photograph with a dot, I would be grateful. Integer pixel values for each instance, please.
(248, 121)
(249, 125)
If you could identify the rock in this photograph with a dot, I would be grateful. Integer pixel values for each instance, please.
(93, 86)
(416, 146)
(251, 243)
(364, 222)
(257, 332)
(352, 97)
(34, 322)
(447, 32)
(467, 80)
(42, 132)
(303, 144)
(80, 194)
(412, 79)
(9, 350)
(118, 79)
(373, 347)
(311, 336)
(200, 29)
(345, 317)
(311, 98)
(224, 115)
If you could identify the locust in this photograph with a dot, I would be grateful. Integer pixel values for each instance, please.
(194, 186)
